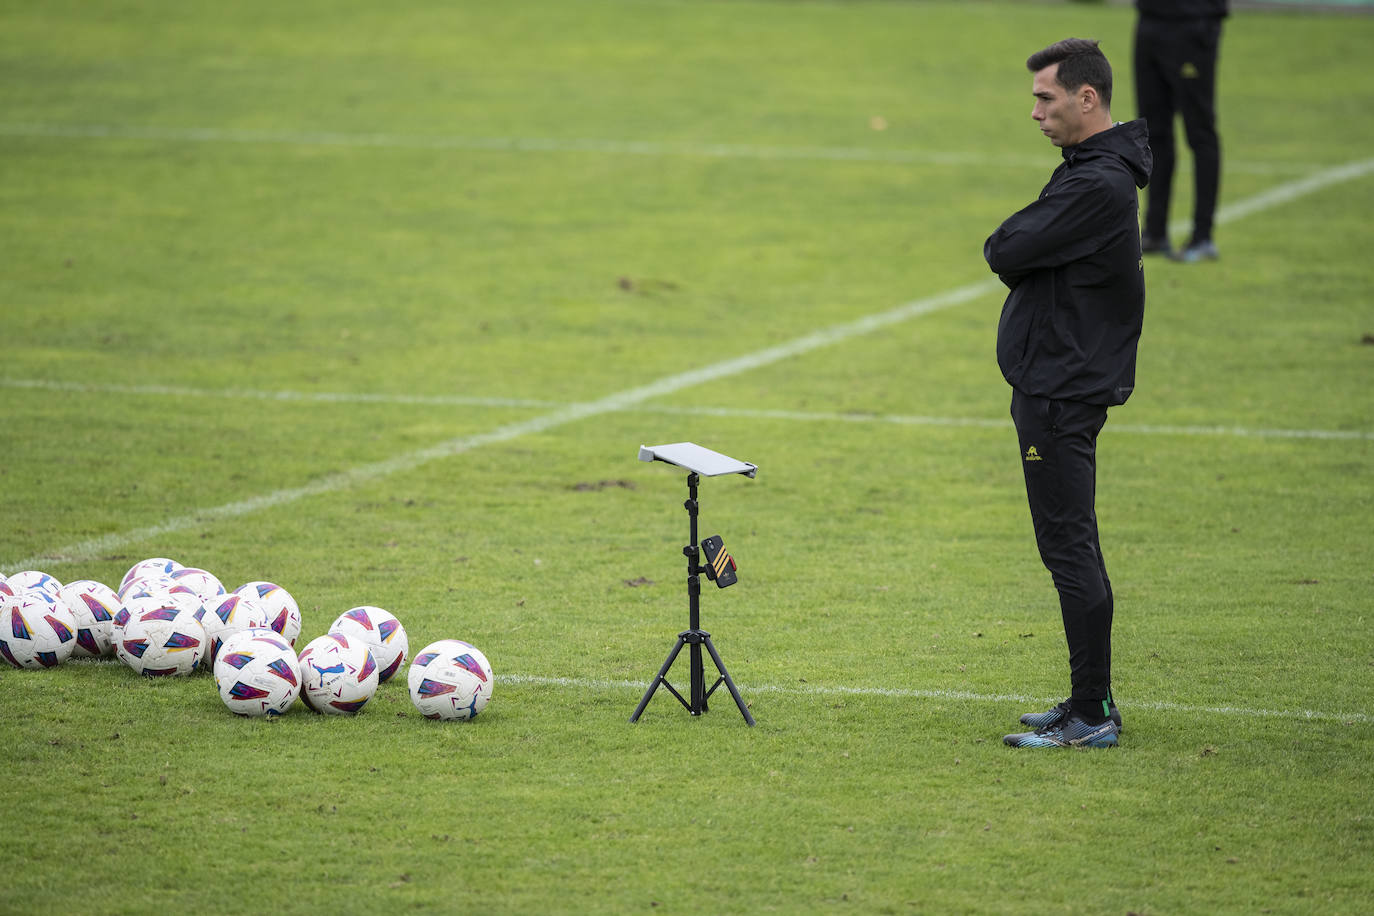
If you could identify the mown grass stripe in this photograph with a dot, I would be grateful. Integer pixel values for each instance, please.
(804, 416)
(648, 148)
(96, 547)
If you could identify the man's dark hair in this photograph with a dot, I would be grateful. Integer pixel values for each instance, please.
(1081, 62)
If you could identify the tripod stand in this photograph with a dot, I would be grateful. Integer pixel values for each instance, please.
(720, 568)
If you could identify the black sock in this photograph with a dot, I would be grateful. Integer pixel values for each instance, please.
(1094, 712)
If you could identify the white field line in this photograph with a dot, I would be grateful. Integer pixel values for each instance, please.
(700, 150)
(803, 416)
(95, 547)
(952, 695)
(1150, 429)
(1292, 190)
(1285, 193)
(310, 397)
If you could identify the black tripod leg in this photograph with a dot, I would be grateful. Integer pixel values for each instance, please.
(725, 676)
(658, 678)
(698, 673)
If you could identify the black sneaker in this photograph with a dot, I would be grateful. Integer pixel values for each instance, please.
(1151, 245)
(1056, 714)
(1071, 731)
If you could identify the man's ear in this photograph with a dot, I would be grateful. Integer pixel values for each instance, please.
(1088, 99)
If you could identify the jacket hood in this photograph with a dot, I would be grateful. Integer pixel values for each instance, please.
(1128, 141)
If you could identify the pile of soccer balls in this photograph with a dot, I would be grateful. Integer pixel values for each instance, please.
(166, 619)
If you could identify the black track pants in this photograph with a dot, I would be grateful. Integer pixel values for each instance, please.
(1058, 442)
(1176, 73)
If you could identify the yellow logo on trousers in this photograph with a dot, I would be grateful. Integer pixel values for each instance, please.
(1033, 455)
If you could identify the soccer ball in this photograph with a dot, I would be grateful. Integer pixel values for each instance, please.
(32, 578)
(202, 584)
(338, 674)
(146, 585)
(381, 631)
(155, 587)
(94, 605)
(450, 679)
(161, 637)
(165, 588)
(283, 615)
(36, 629)
(256, 673)
(148, 569)
(229, 615)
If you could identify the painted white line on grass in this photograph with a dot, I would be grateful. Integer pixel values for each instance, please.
(901, 693)
(250, 394)
(1157, 429)
(803, 416)
(702, 150)
(96, 547)
(1153, 429)
(1285, 193)
(1292, 190)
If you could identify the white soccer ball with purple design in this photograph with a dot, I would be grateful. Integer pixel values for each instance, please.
(151, 568)
(228, 615)
(36, 629)
(204, 585)
(450, 679)
(155, 587)
(257, 673)
(32, 578)
(162, 636)
(283, 614)
(338, 674)
(94, 605)
(146, 585)
(381, 631)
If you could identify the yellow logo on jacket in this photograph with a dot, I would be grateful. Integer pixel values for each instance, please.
(1033, 455)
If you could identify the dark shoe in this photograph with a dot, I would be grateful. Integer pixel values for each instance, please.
(1151, 245)
(1056, 714)
(1072, 731)
(1206, 250)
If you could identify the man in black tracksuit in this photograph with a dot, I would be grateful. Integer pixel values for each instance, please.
(1066, 344)
(1176, 45)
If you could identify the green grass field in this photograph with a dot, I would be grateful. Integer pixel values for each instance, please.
(378, 301)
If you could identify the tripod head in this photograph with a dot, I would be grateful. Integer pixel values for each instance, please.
(698, 460)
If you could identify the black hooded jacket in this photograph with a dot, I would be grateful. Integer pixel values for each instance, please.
(1070, 324)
